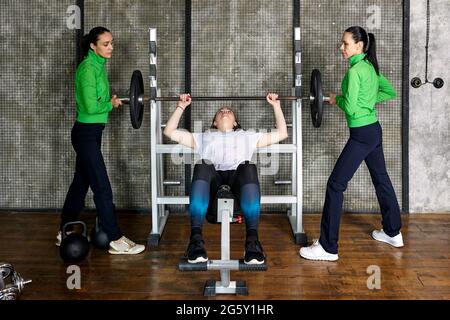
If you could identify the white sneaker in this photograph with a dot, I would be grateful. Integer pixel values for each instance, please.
(396, 241)
(125, 246)
(59, 238)
(317, 252)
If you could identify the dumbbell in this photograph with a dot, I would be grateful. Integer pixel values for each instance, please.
(12, 290)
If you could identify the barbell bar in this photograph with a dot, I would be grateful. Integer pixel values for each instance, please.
(141, 99)
(137, 99)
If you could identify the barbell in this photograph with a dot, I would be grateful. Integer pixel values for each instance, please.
(137, 98)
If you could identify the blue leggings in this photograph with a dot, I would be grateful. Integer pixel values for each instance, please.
(244, 186)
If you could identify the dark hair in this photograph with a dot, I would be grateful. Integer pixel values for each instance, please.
(238, 126)
(370, 48)
(91, 37)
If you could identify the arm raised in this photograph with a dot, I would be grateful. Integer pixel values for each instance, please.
(171, 130)
(281, 132)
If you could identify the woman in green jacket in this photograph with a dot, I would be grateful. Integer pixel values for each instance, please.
(93, 104)
(363, 87)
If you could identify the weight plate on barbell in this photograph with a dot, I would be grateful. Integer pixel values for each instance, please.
(9, 293)
(136, 105)
(317, 103)
(5, 270)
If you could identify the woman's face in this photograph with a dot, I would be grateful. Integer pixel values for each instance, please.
(104, 45)
(349, 48)
(225, 119)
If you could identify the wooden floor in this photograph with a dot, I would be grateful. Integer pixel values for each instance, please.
(420, 270)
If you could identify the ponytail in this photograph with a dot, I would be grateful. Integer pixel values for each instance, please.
(91, 37)
(371, 53)
(369, 48)
(85, 45)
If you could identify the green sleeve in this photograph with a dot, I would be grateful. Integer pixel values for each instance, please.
(88, 94)
(348, 101)
(385, 91)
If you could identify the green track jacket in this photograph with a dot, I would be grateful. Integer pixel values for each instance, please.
(362, 88)
(92, 90)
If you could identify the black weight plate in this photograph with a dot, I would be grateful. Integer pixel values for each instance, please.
(136, 106)
(316, 104)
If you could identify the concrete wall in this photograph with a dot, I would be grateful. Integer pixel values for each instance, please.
(240, 47)
(323, 22)
(36, 103)
(126, 150)
(429, 135)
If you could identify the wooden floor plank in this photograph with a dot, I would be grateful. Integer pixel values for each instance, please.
(420, 270)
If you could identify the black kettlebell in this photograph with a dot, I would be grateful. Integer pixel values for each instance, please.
(74, 246)
(99, 238)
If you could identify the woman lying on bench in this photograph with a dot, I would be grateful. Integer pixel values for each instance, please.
(226, 150)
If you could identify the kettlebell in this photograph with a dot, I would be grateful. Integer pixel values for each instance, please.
(74, 246)
(99, 238)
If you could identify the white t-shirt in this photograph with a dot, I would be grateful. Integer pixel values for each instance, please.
(226, 150)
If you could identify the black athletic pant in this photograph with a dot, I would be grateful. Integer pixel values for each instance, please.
(364, 144)
(90, 171)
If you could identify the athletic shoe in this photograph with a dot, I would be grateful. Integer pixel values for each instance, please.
(380, 235)
(125, 246)
(196, 252)
(254, 253)
(59, 238)
(317, 252)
